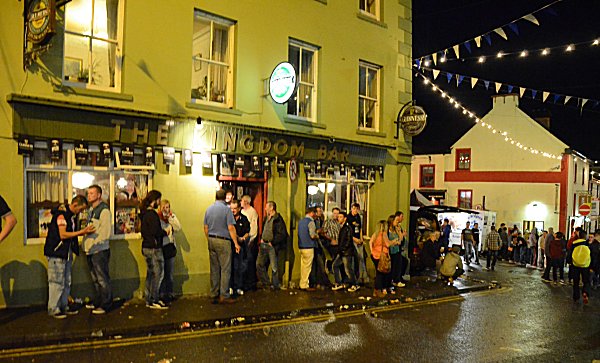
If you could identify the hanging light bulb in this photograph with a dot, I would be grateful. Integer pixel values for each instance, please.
(523, 54)
(464, 112)
(443, 59)
(425, 81)
(596, 42)
(443, 94)
(500, 55)
(456, 105)
(427, 63)
(481, 59)
(570, 48)
(545, 51)
(477, 120)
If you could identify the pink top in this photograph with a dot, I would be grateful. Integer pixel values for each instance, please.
(378, 246)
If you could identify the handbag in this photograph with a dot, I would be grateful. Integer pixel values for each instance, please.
(385, 262)
(169, 250)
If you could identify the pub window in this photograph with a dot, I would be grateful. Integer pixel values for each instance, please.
(93, 44)
(463, 159)
(465, 198)
(303, 57)
(368, 96)
(212, 58)
(369, 7)
(427, 176)
(52, 182)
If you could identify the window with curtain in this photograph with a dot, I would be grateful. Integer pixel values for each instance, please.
(463, 159)
(212, 55)
(369, 7)
(92, 44)
(465, 198)
(368, 96)
(304, 59)
(427, 176)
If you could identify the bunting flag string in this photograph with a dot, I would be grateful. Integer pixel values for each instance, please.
(486, 125)
(557, 98)
(531, 17)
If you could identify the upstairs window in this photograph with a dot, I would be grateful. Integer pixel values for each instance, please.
(427, 176)
(463, 159)
(304, 59)
(368, 96)
(369, 7)
(465, 198)
(93, 44)
(212, 58)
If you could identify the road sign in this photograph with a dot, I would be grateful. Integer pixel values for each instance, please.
(585, 209)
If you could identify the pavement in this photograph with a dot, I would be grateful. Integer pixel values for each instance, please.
(28, 327)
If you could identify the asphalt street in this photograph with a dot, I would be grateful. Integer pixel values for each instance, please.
(525, 321)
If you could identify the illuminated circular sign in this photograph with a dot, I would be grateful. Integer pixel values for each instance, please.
(412, 119)
(283, 82)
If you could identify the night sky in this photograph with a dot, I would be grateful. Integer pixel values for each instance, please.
(439, 24)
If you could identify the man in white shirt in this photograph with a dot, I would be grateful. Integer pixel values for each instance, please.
(251, 249)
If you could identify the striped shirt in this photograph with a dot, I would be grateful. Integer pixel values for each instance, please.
(492, 240)
(332, 228)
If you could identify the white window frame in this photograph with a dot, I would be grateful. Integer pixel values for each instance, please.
(230, 66)
(118, 52)
(377, 9)
(302, 46)
(370, 66)
(72, 167)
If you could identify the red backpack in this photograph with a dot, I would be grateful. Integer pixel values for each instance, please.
(556, 249)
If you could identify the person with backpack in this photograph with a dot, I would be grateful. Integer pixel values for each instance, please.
(579, 258)
(557, 257)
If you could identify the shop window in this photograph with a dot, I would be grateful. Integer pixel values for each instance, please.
(427, 176)
(369, 7)
(212, 58)
(463, 159)
(368, 96)
(304, 59)
(465, 198)
(52, 182)
(92, 44)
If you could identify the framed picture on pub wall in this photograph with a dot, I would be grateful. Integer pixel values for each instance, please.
(72, 69)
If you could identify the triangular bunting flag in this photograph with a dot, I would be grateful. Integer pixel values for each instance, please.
(459, 79)
(449, 76)
(456, 50)
(521, 91)
(434, 56)
(478, 41)
(556, 98)
(468, 46)
(545, 95)
(418, 61)
(583, 102)
(531, 18)
(514, 27)
(501, 33)
(498, 86)
(488, 38)
(510, 88)
(487, 84)
(436, 73)
(533, 93)
(567, 99)
(473, 82)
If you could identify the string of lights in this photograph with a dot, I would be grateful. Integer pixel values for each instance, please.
(486, 125)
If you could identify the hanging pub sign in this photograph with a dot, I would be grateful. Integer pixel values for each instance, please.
(41, 15)
(283, 82)
(188, 158)
(25, 146)
(105, 153)
(55, 147)
(127, 152)
(412, 119)
(168, 155)
(81, 151)
(149, 155)
(280, 166)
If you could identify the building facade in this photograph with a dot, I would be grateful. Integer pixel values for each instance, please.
(176, 96)
(511, 164)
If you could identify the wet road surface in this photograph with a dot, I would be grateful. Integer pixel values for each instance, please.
(525, 321)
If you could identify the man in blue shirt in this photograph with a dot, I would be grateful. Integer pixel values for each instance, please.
(307, 241)
(219, 228)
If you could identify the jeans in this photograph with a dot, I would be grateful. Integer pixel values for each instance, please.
(557, 264)
(318, 276)
(155, 272)
(267, 255)
(250, 277)
(476, 252)
(59, 284)
(361, 266)
(541, 258)
(98, 264)
(516, 253)
(492, 256)
(348, 262)
(238, 267)
(281, 253)
(583, 274)
(468, 252)
(219, 251)
(166, 287)
(397, 267)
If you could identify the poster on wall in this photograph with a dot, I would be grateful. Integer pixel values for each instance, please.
(44, 219)
(55, 146)
(25, 146)
(125, 220)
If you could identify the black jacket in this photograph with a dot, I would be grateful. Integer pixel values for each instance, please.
(280, 235)
(242, 225)
(54, 246)
(429, 254)
(595, 255)
(152, 232)
(345, 241)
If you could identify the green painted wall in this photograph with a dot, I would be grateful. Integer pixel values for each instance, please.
(156, 77)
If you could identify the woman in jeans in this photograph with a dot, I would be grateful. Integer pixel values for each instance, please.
(380, 244)
(152, 238)
(168, 218)
(396, 257)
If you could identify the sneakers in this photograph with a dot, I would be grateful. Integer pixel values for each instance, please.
(399, 284)
(353, 288)
(562, 282)
(98, 311)
(337, 287)
(90, 306)
(70, 311)
(487, 268)
(240, 292)
(158, 306)
(59, 316)
(585, 298)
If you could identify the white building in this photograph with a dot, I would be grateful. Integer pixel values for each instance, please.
(511, 164)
